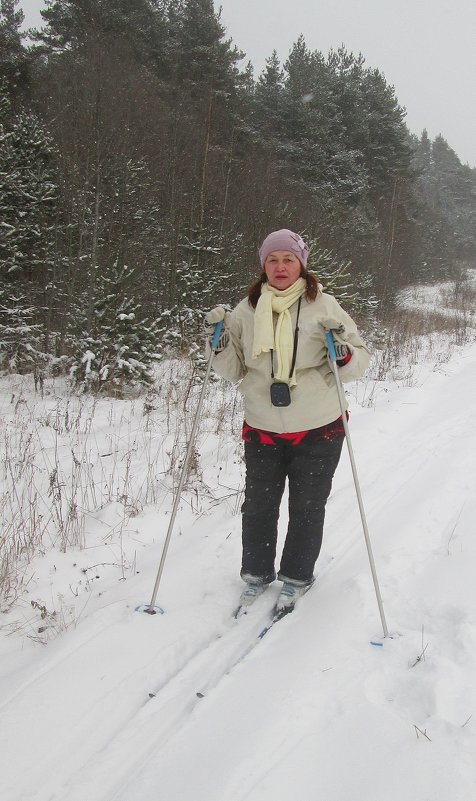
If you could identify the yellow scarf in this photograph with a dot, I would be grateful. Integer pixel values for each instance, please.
(282, 340)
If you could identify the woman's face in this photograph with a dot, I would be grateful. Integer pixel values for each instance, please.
(282, 268)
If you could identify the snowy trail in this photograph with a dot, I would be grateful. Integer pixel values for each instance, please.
(159, 718)
(375, 687)
(314, 711)
(300, 700)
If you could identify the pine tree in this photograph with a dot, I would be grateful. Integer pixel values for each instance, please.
(269, 96)
(422, 153)
(205, 130)
(204, 57)
(444, 190)
(14, 62)
(139, 25)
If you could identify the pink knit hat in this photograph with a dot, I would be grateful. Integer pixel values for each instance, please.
(284, 240)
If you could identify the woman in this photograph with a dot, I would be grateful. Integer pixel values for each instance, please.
(274, 344)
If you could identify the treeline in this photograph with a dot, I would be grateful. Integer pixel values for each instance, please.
(141, 165)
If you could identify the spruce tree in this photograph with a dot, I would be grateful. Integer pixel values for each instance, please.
(355, 295)
(120, 345)
(28, 210)
(21, 339)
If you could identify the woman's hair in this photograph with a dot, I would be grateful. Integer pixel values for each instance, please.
(312, 287)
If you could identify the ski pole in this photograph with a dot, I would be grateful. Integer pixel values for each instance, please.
(340, 393)
(216, 335)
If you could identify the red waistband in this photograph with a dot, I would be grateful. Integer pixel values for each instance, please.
(261, 437)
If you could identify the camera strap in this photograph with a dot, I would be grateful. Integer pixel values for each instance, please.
(295, 346)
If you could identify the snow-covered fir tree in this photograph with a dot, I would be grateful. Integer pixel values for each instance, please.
(119, 345)
(21, 340)
(28, 214)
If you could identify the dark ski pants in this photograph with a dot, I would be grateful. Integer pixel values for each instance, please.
(309, 468)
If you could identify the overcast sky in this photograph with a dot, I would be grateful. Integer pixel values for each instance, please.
(425, 48)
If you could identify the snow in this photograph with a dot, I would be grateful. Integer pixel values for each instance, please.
(312, 711)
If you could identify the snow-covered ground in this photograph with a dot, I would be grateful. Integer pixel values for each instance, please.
(312, 711)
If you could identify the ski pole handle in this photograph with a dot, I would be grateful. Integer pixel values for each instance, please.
(330, 346)
(216, 334)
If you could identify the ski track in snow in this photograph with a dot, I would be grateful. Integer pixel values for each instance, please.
(313, 710)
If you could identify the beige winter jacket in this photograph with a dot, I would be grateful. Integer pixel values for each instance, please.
(314, 401)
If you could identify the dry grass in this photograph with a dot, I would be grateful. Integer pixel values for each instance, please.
(66, 457)
(409, 335)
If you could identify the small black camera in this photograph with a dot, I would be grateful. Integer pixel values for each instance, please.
(280, 394)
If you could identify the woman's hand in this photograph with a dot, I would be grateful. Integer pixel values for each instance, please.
(336, 326)
(343, 353)
(217, 315)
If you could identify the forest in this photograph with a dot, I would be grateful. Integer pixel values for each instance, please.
(142, 162)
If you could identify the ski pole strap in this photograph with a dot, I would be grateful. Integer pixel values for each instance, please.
(216, 334)
(330, 346)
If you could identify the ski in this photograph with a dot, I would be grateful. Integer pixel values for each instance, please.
(247, 625)
(242, 610)
(252, 617)
(278, 615)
